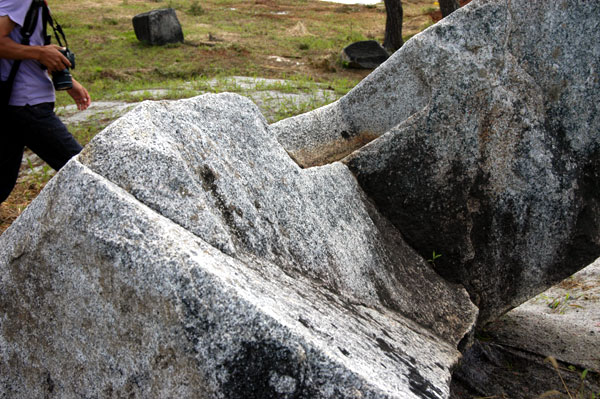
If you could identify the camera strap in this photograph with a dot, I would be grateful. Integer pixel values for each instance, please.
(56, 28)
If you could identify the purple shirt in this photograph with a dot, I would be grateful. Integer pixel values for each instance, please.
(32, 84)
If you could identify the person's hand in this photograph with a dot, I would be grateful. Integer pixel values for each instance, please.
(80, 95)
(52, 58)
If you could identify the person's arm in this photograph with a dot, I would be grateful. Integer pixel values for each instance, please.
(49, 55)
(80, 95)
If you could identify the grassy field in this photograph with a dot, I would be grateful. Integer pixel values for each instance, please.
(267, 38)
(296, 40)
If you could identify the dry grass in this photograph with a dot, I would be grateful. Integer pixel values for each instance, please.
(33, 178)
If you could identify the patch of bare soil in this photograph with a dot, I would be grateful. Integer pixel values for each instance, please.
(28, 187)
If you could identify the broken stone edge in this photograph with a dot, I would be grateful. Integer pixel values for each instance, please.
(191, 320)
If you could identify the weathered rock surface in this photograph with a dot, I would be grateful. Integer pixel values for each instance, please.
(158, 27)
(184, 254)
(211, 166)
(366, 54)
(487, 149)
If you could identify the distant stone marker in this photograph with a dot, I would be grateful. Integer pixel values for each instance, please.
(158, 27)
(367, 54)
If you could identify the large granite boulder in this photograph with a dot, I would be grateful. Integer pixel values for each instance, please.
(486, 150)
(184, 254)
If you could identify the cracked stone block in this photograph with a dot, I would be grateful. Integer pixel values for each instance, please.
(158, 27)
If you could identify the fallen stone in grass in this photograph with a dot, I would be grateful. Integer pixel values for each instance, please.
(367, 54)
(158, 27)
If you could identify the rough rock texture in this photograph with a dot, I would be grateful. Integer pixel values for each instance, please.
(184, 254)
(211, 166)
(487, 149)
(158, 27)
(367, 54)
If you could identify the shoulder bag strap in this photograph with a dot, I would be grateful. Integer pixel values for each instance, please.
(27, 29)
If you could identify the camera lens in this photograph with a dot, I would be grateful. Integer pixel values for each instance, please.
(62, 80)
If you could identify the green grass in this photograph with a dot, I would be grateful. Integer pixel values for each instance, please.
(575, 392)
(113, 65)
(223, 38)
(111, 61)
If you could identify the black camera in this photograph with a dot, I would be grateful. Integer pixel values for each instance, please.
(62, 79)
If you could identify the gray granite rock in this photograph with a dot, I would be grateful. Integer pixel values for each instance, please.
(487, 148)
(184, 254)
(158, 27)
(211, 165)
(103, 297)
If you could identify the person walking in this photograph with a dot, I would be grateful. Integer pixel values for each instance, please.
(27, 117)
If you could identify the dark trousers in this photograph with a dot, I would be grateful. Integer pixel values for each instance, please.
(38, 128)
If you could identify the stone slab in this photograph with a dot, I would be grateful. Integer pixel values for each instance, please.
(367, 54)
(483, 137)
(158, 27)
(103, 297)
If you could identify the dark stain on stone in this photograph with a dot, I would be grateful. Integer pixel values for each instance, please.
(255, 368)
(383, 345)
(417, 383)
(344, 352)
(209, 179)
(345, 135)
(386, 333)
(584, 247)
(49, 383)
(304, 322)
(421, 387)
